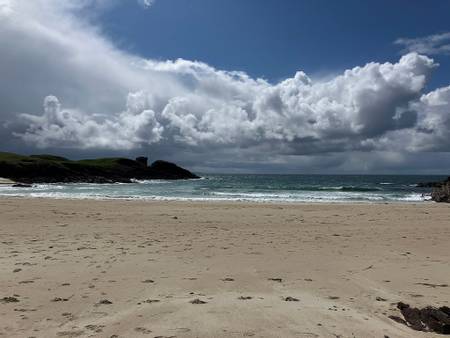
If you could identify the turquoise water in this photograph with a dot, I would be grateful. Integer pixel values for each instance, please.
(257, 188)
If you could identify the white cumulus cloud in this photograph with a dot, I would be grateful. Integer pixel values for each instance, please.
(97, 96)
(146, 3)
(431, 45)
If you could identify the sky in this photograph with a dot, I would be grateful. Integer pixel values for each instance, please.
(251, 86)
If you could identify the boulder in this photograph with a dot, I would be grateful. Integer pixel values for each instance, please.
(427, 319)
(441, 193)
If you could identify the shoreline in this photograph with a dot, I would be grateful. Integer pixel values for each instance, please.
(83, 267)
(215, 200)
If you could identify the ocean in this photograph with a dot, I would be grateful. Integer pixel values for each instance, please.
(252, 188)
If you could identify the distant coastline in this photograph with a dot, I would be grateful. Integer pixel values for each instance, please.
(56, 169)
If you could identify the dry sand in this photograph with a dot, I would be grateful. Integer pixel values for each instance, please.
(6, 181)
(132, 269)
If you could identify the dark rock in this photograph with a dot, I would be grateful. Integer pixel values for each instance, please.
(428, 319)
(412, 316)
(142, 160)
(398, 320)
(446, 310)
(197, 301)
(170, 170)
(441, 193)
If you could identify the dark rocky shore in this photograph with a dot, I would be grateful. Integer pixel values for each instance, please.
(55, 169)
(427, 319)
(440, 192)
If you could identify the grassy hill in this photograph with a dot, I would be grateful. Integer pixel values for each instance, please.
(49, 168)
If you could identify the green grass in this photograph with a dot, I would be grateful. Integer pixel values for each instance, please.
(49, 157)
(112, 162)
(101, 163)
(19, 166)
(11, 157)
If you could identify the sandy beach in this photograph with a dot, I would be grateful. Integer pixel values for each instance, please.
(178, 269)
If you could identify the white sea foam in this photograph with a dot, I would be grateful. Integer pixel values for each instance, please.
(230, 188)
(232, 198)
(133, 180)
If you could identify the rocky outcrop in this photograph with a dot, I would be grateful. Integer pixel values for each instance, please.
(427, 319)
(170, 170)
(441, 192)
(53, 169)
(142, 160)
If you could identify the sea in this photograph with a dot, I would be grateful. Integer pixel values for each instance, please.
(248, 188)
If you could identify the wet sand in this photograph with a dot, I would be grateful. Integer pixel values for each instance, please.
(179, 269)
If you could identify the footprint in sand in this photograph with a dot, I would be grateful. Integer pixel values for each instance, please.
(104, 302)
(197, 301)
(142, 330)
(149, 301)
(95, 328)
(6, 300)
(70, 334)
(245, 298)
(26, 282)
(290, 299)
(148, 281)
(433, 285)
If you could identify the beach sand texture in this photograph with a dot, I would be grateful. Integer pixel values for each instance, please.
(6, 181)
(177, 269)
